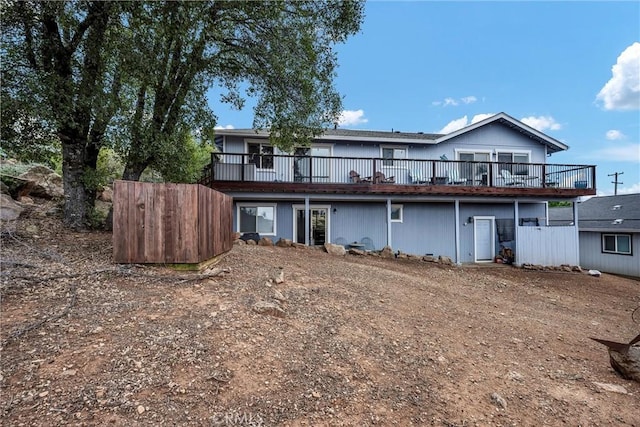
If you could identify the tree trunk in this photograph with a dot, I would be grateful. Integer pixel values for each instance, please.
(133, 170)
(77, 202)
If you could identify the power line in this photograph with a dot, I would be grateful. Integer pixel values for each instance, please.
(615, 181)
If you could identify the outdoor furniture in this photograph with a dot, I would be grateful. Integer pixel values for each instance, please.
(510, 179)
(379, 178)
(355, 177)
(455, 179)
(418, 176)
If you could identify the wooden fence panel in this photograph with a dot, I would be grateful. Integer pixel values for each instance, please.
(169, 223)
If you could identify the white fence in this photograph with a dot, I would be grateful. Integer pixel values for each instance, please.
(550, 246)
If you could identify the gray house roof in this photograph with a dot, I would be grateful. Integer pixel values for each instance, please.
(373, 136)
(604, 214)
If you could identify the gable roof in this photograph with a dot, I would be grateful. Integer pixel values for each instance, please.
(603, 214)
(553, 145)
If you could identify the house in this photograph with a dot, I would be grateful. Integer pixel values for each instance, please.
(464, 195)
(609, 229)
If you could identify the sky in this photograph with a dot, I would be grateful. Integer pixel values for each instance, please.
(569, 69)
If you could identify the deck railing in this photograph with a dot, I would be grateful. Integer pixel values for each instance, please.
(367, 170)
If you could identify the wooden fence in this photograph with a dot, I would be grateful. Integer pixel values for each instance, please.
(169, 223)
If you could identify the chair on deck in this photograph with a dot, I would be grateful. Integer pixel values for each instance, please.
(418, 176)
(355, 177)
(379, 178)
(455, 179)
(510, 179)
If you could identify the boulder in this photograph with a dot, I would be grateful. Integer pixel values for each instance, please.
(445, 260)
(387, 252)
(354, 251)
(332, 249)
(284, 243)
(595, 273)
(265, 241)
(268, 308)
(402, 255)
(428, 258)
(9, 213)
(47, 183)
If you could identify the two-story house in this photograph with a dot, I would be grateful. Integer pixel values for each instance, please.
(464, 195)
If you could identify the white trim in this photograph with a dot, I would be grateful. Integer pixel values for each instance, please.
(457, 152)
(616, 251)
(297, 207)
(266, 142)
(258, 205)
(475, 239)
(401, 206)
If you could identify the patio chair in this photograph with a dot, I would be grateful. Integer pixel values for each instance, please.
(368, 243)
(418, 176)
(379, 178)
(455, 179)
(510, 179)
(355, 177)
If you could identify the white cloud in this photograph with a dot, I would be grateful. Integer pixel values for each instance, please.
(614, 134)
(632, 189)
(541, 123)
(352, 118)
(453, 102)
(454, 125)
(618, 153)
(450, 101)
(480, 117)
(622, 91)
(225, 127)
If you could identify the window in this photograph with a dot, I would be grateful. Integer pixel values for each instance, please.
(260, 155)
(257, 219)
(507, 161)
(390, 153)
(474, 171)
(396, 213)
(616, 244)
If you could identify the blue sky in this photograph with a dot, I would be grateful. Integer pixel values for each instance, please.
(570, 69)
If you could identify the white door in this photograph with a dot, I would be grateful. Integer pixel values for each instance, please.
(483, 237)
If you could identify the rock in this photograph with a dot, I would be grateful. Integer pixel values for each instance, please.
(278, 295)
(265, 241)
(595, 273)
(566, 268)
(527, 266)
(26, 200)
(611, 387)
(333, 249)
(236, 235)
(106, 195)
(269, 308)
(284, 243)
(498, 400)
(9, 213)
(627, 364)
(387, 252)
(16, 187)
(402, 255)
(357, 252)
(251, 242)
(279, 278)
(239, 242)
(428, 258)
(515, 376)
(4, 189)
(576, 269)
(445, 260)
(140, 409)
(47, 183)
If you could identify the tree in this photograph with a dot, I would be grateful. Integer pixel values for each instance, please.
(136, 74)
(62, 54)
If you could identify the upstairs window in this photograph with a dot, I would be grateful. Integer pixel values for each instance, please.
(260, 155)
(507, 161)
(391, 153)
(616, 244)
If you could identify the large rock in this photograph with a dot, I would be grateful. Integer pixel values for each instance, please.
(332, 249)
(47, 183)
(9, 213)
(445, 260)
(284, 243)
(387, 252)
(265, 241)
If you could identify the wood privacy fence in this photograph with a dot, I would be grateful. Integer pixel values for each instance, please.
(169, 223)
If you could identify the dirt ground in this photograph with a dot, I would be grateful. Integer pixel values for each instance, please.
(342, 341)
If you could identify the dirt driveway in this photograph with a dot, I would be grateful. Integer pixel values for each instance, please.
(342, 341)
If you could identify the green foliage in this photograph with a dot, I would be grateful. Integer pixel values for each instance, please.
(559, 204)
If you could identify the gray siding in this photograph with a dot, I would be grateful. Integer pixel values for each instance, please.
(355, 221)
(592, 257)
(426, 228)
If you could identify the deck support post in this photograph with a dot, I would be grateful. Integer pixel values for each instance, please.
(389, 222)
(457, 230)
(307, 220)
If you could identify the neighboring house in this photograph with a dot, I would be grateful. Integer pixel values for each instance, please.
(463, 195)
(609, 230)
